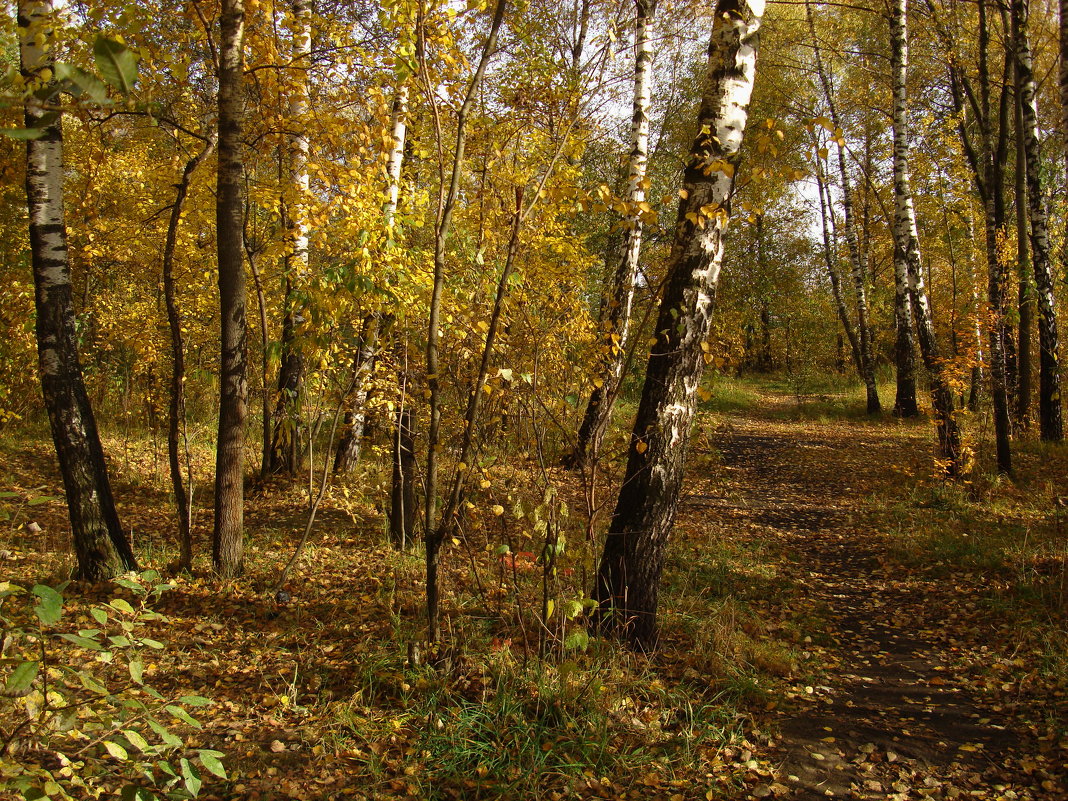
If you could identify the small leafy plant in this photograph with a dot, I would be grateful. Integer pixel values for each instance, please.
(79, 717)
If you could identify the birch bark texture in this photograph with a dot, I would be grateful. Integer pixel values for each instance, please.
(99, 541)
(1051, 426)
(860, 279)
(907, 249)
(619, 294)
(228, 545)
(628, 580)
(286, 446)
(351, 442)
(830, 258)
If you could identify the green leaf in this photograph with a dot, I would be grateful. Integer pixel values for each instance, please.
(50, 609)
(577, 640)
(191, 777)
(90, 683)
(99, 615)
(151, 643)
(572, 609)
(132, 792)
(8, 494)
(116, 62)
(137, 670)
(122, 605)
(183, 716)
(40, 499)
(502, 550)
(137, 740)
(211, 761)
(195, 700)
(131, 585)
(120, 642)
(22, 133)
(22, 677)
(83, 642)
(165, 734)
(116, 750)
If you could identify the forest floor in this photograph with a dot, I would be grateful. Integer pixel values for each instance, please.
(836, 623)
(923, 690)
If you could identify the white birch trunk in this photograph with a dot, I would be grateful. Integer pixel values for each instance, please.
(907, 248)
(619, 294)
(628, 579)
(99, 542)
(850, 232)
(1049, 400)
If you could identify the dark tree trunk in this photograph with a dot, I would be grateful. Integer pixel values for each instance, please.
(987, 163)
(176, 413)
(348, 448)
(402, 508)
(628, 580)
(99, 541)
(860, 278)
(830, 257)
(443, 226)
(994, 156)
(1025, 295)
(228, 546)
(286, 453)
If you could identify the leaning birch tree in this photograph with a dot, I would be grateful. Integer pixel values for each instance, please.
(628, 579)
(99, 541)
(618, 297)
(907, 249)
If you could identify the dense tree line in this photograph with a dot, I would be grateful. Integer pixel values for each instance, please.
(467, 233)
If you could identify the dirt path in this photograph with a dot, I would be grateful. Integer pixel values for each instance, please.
(900, 713)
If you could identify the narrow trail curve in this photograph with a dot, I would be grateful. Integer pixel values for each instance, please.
(893, 714)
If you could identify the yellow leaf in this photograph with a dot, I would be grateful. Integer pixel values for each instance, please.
(641, 446)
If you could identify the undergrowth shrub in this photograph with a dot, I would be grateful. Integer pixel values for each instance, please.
(79, 718)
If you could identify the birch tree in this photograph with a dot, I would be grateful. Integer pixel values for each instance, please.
(907, 249)
(102, 548)
(628, 579)
(618, 298)
(986, 161)
(285, 444)
(850, 225)
(1051, 425)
